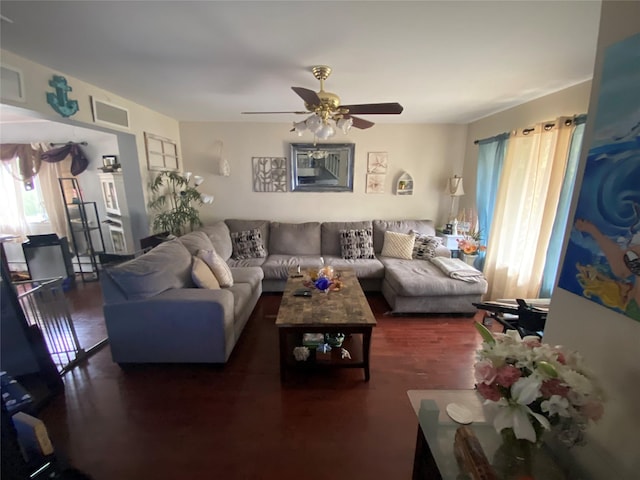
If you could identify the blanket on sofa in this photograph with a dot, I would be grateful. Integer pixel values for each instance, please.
(457, 269)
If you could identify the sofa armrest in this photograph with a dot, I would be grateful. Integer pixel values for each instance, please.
(442, 251)
(179, 325)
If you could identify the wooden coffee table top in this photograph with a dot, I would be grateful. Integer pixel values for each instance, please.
(347, 306)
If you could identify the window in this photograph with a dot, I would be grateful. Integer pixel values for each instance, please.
(33, 203)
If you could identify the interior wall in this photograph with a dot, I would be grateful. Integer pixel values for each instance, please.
(570, 101)
(609, 341)
(429, 153)
(141, 119)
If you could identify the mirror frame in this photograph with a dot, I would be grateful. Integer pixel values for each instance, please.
(344, 149)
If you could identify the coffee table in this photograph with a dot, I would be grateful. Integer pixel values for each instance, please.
(344, 311)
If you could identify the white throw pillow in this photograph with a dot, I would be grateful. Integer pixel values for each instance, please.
(218, 266)
(202, 275)
(398, 245)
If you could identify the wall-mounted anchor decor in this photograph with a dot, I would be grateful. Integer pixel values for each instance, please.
(269, 174)
(58, 99)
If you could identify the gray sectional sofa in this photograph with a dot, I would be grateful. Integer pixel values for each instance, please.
(154, 313)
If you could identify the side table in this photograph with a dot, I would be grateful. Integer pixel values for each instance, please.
(451, 242)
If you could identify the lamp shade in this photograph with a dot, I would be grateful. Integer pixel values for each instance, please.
(456, 189)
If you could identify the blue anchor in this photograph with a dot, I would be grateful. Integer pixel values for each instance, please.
(58, 99)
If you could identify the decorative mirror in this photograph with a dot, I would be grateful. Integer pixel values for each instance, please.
(323, 167)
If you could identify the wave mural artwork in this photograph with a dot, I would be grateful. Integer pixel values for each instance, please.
(602, 261)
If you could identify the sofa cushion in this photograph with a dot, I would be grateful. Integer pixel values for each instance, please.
(165, 267)
(330, 235)
(398, 245)
(294, 238)
(356, 244)
(402, 226)
(421, 278)
(218, 266)
(194, 241)
(363, 267)
(425, 246)
(236, 225)
(220, 237)
(248, 244)
(202, 275)
(277, 267)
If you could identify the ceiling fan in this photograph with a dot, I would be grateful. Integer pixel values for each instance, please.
(324, 106)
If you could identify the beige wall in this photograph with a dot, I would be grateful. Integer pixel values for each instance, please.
(610, 342)
(141, 119)
(430, 153)
(567, 102)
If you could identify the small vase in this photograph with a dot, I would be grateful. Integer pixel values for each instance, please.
(469, 259)
(514, 459)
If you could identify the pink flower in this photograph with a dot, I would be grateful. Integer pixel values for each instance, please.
(531, 341)
(484, 372)
(592, 410)
(490, 392)
(508, 375)
(554, 387)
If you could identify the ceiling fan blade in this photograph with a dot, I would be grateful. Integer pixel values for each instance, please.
(258, 113)
(309, 96)
(360, 122)
(393, 108)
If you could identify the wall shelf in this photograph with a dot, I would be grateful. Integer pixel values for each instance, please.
(404, 185)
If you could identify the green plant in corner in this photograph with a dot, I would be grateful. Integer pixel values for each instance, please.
(175, 195)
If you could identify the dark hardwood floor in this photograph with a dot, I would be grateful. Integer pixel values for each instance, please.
(238, 421)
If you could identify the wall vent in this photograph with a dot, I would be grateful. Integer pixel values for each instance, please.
(109, 114)
(11, 84)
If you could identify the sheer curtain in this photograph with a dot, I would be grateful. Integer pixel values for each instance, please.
(22, 162)
(491, 153)
(526, 203)
(557, 236)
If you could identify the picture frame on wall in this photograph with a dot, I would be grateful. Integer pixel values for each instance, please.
(162, 153)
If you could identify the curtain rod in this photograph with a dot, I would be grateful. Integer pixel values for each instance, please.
(547, 126)
(84, 144)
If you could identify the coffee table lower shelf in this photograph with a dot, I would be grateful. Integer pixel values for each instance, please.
(357, 342)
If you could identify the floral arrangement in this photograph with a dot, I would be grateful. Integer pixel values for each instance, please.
(470, 244)
(536, 387)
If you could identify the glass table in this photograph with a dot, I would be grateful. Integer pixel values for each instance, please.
(435, 458)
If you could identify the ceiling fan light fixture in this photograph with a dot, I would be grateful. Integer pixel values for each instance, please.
(325, 131)
(300, 127)
(314, 123)
(345, 124)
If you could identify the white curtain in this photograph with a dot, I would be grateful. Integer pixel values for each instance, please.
(12, 219)
(526, 204)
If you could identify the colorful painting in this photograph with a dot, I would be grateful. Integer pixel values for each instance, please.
(602, 262)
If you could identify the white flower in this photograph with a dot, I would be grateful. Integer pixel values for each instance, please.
(577, 382)
(515, 414)
(556, 405)
(197, 180)
(206, 198)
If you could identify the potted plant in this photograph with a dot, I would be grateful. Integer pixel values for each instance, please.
(176, 196)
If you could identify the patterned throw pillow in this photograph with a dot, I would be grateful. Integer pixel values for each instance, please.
(202, 275)
(425, 246)
(218, 266)
(398, 245)
(248, 244)
(356, 244)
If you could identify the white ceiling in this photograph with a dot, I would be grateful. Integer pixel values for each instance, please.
(444, 61)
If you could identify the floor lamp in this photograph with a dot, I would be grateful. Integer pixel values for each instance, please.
(456, 189)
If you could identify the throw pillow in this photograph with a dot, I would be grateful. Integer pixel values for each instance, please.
(218, 266)
(203, 276)
(425, 246)
(248, 244)
(398, 245)
(356, 244)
